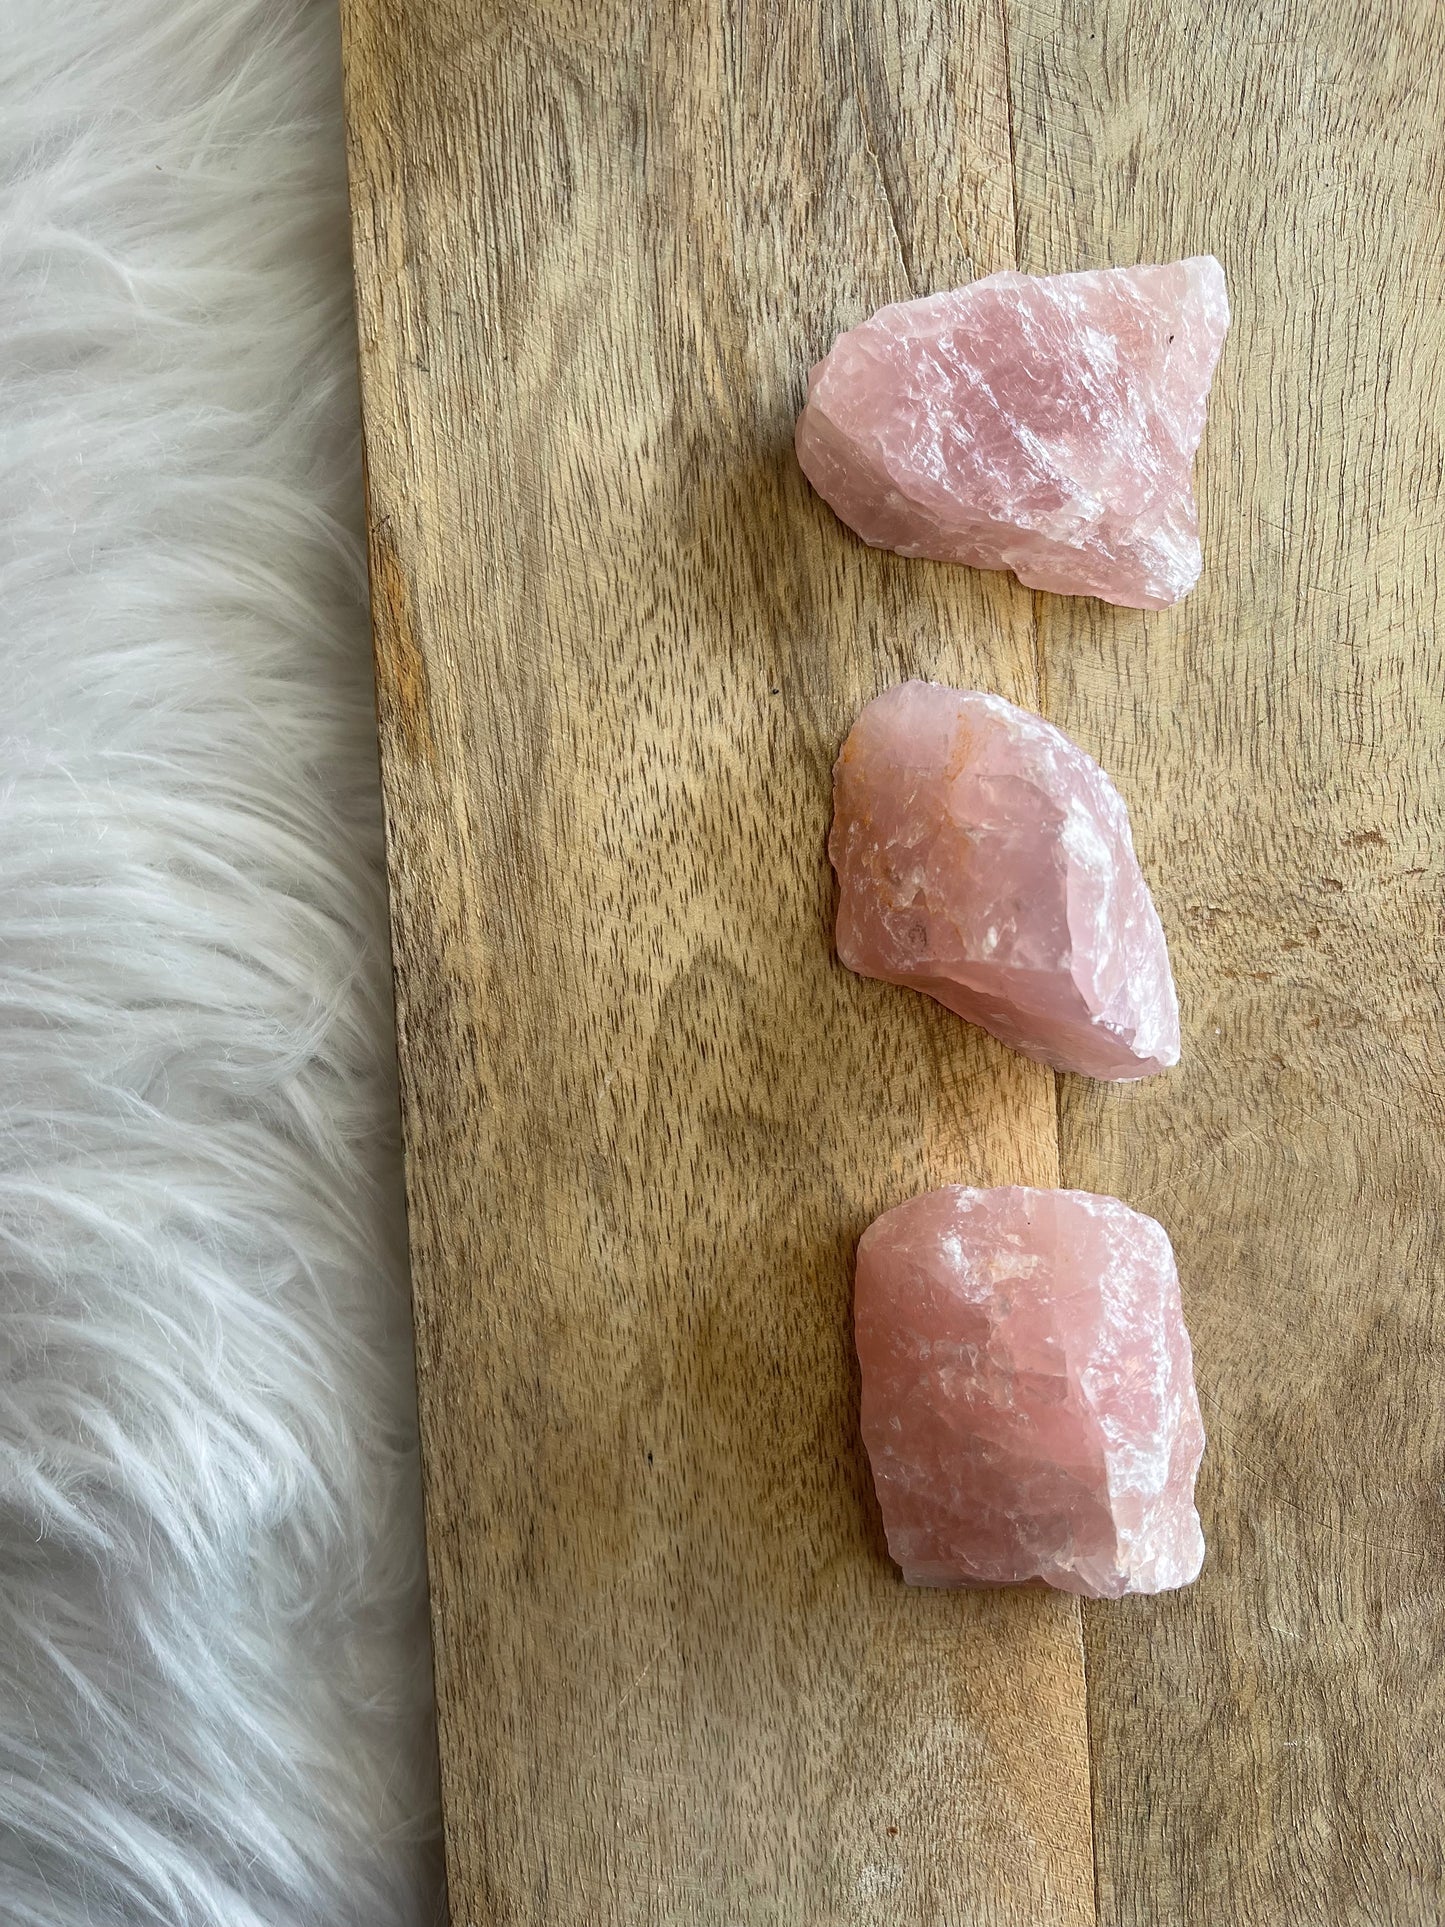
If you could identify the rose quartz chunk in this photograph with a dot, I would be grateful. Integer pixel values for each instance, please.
(985, 859)
(1041, 423)
(1028, 1392)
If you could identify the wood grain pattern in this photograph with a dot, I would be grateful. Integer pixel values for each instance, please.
(1267, 1747)
(618, 644)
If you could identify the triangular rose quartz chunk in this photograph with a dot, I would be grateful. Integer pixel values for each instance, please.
(1041, 423)
(1028, 1392)
(982, 857)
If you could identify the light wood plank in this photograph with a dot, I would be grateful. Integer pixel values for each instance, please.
(618, 644)
(1267, 1748)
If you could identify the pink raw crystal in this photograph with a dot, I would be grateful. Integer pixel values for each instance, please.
(1041, 423)
(985, 859)
(1028, 1392)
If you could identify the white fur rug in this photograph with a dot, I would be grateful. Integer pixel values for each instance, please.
(215, 1703)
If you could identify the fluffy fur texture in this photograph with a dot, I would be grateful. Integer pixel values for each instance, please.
(215, 1705)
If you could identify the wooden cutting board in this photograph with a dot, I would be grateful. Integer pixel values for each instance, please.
(618, 643)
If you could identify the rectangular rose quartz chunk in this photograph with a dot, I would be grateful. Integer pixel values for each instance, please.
(1028, 1392)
